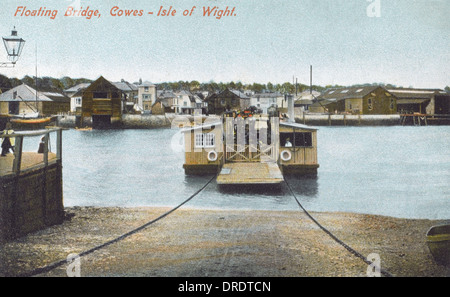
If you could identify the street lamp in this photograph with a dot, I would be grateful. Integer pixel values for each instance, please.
(14, 46)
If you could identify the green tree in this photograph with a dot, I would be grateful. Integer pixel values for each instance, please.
(194, 85)
(5, 83)
(28, 80)
(447, 89)
(67, 82)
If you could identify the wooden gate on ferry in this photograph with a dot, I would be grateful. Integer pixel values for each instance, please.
(251, 140)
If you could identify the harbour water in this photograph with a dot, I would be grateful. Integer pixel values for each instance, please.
(393, 171)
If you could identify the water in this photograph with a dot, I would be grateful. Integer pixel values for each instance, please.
(394, 171)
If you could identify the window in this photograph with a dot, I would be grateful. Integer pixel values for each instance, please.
(369, 104)
(78, 101)
(298, 139)
(145, 89)
(100, 95)
(205, 140)
(392, 104)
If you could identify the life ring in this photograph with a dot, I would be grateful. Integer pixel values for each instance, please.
(286, 155)
(212, 156)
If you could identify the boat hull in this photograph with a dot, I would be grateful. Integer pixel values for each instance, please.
(31, 124)
(438, 241)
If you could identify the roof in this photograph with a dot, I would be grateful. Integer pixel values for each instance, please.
(101, 84)
(28, 94)
(239, 94)
(411, 101)
(410, 93)
(298, 126)
(146, 84)
(163, 102)
(125, 86)
(77, 88)
(166, 94)
(267, 95)
(347, 93)
(183, 93)
(207, 126)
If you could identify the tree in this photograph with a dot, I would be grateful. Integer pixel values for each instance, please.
(67, 82)
(194, 85)
(447, 89)
(28, 80)
(5, 83)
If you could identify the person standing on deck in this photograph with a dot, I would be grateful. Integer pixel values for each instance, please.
(8, 142)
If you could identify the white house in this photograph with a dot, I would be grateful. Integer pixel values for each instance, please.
(75, 94)
(147, 95)
(265, 100)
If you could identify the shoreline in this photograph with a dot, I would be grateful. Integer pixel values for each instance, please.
(200, 243)
(131, 121)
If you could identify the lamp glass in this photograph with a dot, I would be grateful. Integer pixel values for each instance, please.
(13, 45)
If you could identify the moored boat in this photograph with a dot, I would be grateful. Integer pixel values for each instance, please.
(31, 120)
(438, 241)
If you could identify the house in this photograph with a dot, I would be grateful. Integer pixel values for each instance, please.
(184, 103)
(146, 97)
(129, 94)
(24, 99)
(304, 100)
(266, 100)
(356, 100)
(170, 100)
(429, 101)
(227, 100)
(160, 107)
(102, 102)
(76, 93)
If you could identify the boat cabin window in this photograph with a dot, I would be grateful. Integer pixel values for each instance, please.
(205, 140)
(297, 139)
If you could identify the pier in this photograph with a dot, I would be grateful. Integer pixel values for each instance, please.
(31, 195)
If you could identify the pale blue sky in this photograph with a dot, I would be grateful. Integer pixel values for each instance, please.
(266, 41)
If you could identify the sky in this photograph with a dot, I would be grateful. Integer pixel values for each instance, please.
(401, 42)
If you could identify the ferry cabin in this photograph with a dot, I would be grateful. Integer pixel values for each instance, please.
(298, 149)
(203, 149)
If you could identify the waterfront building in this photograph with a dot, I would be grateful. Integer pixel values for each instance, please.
(227, 100)
(25, 100)
(423, 101)
(356, 100)
(102, 103)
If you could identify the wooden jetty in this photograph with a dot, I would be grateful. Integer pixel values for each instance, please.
(31, 196)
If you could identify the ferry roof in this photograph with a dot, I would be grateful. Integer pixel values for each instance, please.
(208, 126)
(298, 126)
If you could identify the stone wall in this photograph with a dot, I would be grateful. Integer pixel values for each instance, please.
(31, 201)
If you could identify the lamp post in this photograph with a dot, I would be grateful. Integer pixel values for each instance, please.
(14, 45)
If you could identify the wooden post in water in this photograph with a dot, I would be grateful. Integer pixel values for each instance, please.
(59, 144)
(18, 155)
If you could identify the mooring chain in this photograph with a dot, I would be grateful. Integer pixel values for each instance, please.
(347, 247)
(52, 266)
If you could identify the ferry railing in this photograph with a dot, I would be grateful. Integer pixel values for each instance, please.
(18, 149)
